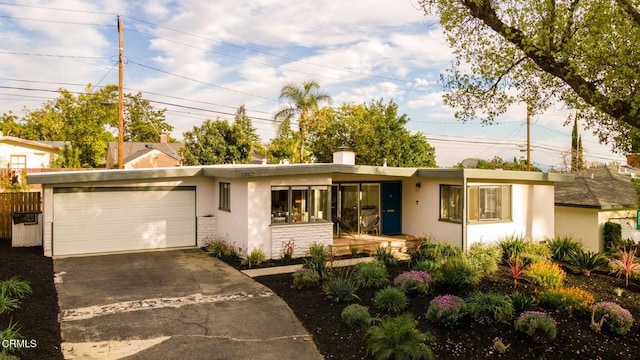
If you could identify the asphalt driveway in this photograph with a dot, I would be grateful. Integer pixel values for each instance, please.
(179, 304)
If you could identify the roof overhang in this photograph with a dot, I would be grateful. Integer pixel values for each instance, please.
(258, 171)
(29, 143)
(495, 175)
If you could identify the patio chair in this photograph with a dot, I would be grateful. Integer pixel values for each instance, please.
(370, 223)
(344, 225)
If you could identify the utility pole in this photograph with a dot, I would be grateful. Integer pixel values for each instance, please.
(120, 95)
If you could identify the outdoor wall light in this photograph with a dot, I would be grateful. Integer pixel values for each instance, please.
(417, 202)
(418, 185)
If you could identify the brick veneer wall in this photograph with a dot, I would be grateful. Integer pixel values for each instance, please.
(47, 238)
(206, 229)
(303, 235)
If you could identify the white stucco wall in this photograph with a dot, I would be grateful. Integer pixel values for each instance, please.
(532, 212)
(35, 157)
(582, 224)
(248, 225)
(232, 225)
(423, 218)
(587, 224)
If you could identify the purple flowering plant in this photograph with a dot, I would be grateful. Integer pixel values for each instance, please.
(414, 281)
(539, 325)
(618, 319)
(445, 310)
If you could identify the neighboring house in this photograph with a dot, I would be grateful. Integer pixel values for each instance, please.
(597, 195)
(138, 155)
(21, 154)
(265, 206)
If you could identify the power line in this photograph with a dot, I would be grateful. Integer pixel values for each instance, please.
(199, 81)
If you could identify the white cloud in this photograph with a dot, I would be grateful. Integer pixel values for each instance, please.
(243, 52)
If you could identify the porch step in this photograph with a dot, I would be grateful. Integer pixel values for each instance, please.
(368, 245)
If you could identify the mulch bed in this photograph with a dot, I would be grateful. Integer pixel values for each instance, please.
(37, 316)
(470, 340)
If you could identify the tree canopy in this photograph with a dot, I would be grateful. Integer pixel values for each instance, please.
(374, 131)
(87, 122)
(582, 53)
(219, 142)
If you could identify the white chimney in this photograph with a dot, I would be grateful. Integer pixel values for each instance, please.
(344, 157)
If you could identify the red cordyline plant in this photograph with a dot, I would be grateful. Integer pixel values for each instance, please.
(517, 267)
(626, 265)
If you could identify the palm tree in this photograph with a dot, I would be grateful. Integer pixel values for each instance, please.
(303, 102)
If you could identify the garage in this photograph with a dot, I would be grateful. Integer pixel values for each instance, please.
(105, 219)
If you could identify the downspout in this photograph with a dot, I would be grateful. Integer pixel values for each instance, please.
(464, 211)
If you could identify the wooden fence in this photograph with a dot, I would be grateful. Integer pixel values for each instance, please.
(16, 202)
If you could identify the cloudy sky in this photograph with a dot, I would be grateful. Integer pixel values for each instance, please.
(201, 59)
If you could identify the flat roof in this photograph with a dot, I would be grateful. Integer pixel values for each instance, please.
(257, 171)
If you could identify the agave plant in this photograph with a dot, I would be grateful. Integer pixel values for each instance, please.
(586, 261)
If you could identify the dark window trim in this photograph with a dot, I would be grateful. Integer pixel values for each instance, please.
(308, 189)
(224, 203)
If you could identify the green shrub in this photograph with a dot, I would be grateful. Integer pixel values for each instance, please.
(488, 307)
(15, 287)
(511, 246)
(254, 258)
(545, 273)
(414, 282)
(587, 261)
(222, 249)
(12, 332)
(386, 256)
(434, 252)
(612, 236)
(445, 310)
(485, 256)
(535, 252)
(371, 274)
(318, 257)
(356, 315)
(562, 246)
(456, 273)
(340, 287)
(305, 278)
(616, 318)
(8, 303)
(566, 300)
(540, 327)
(390, 299)
(429, 266)
(398, 338)
(521, 302)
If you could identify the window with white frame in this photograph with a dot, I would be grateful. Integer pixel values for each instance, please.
(18, 161)
(225, 197)
(299, 204)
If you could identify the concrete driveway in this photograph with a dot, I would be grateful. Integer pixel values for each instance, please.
(179, 304)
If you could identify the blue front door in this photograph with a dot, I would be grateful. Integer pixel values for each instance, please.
(391, 208)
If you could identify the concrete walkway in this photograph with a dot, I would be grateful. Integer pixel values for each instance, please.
(179, 304)
(292, 268)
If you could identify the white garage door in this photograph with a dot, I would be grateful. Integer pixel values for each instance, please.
(92, 220)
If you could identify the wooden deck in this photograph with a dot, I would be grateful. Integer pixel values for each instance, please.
(367, 244)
